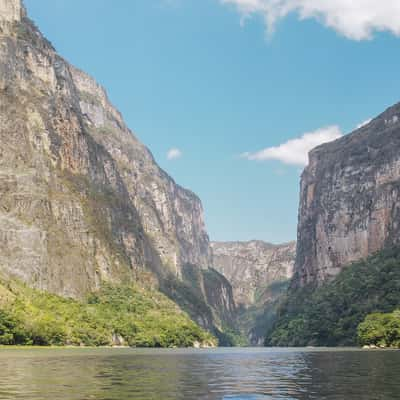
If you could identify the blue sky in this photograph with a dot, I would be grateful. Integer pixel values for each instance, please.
(220, 81)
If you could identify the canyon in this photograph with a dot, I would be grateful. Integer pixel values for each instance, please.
(83, 202)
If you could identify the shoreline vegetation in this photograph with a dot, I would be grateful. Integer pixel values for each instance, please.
(111, 347)
(135, 317)
(380, 330)
(130, 316)
(358, 307)
(115, 316)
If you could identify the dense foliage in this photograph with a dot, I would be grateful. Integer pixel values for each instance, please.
(381, 330)
(329, 315)
(142, 317)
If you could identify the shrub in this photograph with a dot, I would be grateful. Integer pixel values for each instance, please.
(380, 330)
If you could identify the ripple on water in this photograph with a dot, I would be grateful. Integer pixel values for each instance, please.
(240, 374)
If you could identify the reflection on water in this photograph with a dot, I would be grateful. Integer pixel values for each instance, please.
(230, 374)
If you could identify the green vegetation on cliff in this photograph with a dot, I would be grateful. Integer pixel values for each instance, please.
(381, 330)
(329, 315)
(142, 317)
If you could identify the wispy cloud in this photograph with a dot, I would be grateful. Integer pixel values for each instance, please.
(174, 153)
(295, 151)
(354, 19)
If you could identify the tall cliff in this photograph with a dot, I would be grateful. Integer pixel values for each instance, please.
(349, 200)
(82, 200)
(259, 273)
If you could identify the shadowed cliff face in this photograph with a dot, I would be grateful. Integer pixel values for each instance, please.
(350, 200)
(82, 201)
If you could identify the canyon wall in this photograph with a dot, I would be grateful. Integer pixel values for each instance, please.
(349, 200)
(82, 201)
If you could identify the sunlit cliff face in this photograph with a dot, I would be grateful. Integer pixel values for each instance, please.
(10, 10)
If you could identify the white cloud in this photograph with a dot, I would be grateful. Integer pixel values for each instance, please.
(366, 122)
(173, 154)
(355, 19)
(295, 151)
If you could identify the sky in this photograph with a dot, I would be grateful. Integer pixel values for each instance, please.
(229, 95)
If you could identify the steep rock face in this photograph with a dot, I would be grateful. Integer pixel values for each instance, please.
(59, 231)
(219, 294)
(350, 200)
(252, 266)
(81, 199)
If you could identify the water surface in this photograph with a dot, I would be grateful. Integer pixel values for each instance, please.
(248, 374)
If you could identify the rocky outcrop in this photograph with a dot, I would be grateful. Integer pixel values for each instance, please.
(82, 201)
(251, 267)
(350, 200)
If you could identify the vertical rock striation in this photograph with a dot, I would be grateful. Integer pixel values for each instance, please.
(349, 200)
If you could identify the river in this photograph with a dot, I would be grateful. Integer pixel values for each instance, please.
(155, 374)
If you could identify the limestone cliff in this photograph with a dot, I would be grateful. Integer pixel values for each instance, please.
(252, 266)
(349, 200)
(82, 201)
(10, 11)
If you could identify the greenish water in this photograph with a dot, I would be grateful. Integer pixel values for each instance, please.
(125, 374)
